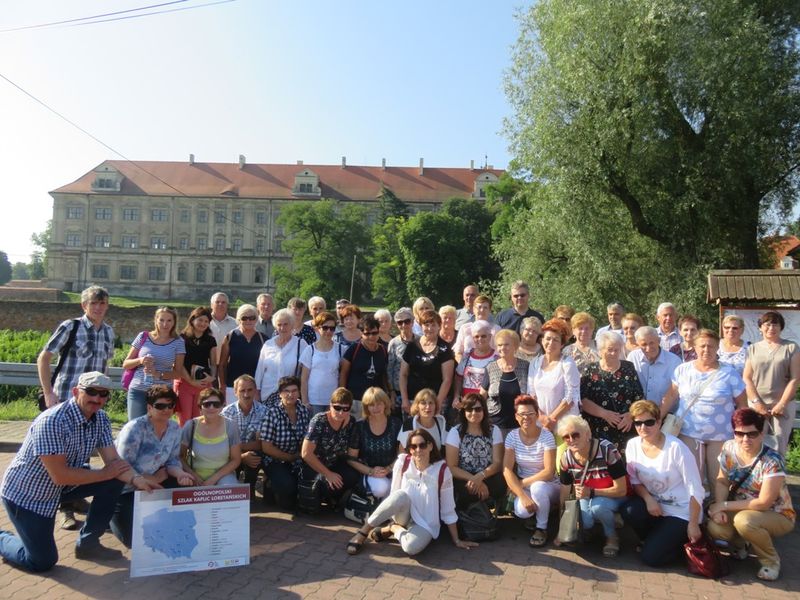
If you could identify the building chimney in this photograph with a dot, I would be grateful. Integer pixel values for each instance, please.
(299, 162)
(383, 164)
(491, 167)
(472, 165)
(344, 162)
(242, 161)
(191, 159)
(421, 166)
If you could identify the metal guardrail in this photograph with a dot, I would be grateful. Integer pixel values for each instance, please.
(27, 374)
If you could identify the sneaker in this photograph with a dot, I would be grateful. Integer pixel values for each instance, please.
(769, 573)
(97, 552)
(68, 521)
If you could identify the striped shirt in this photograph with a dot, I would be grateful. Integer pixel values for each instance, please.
(530, 459)
(60, 430)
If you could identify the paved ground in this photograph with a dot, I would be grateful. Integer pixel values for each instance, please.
(301, 557)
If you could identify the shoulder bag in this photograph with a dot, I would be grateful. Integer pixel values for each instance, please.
(569, 524)
(703, 558)
(127, 375)
(673, 424)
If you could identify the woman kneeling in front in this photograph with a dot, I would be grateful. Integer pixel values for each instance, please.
(422, 496)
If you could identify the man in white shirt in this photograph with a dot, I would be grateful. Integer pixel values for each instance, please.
(654, 365)
(466, 315)
(667, 318)
(221, 323)
(615, 311)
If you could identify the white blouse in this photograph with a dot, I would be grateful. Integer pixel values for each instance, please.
(422, 488)
(275, 362)
(562, 382)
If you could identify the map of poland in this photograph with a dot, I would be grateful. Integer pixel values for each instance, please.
(170, 532)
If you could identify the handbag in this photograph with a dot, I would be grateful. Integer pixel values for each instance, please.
(704, 559)
(62, 356)
(477, 523)
(359, 506)
(569, 524)
(127, 375)
(672, 424)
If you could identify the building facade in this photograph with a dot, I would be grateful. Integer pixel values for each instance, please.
(183, 230)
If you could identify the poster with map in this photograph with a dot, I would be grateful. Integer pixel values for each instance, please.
(190, 529)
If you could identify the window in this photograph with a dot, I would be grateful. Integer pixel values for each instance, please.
(183, 243)
(73, 239)
(236, 274)
(159, 214)
(306, 188)
(238, 216)
(103, 214)
(237, 245)
(200, 273)
(182, 273)
(219, 243)
(105, 183)
(278, 245)
(202, 216)
(261, 218)
(99, 271)
(259, 275)
(259, 246)
(219, 216)
(127, 272)
(130, 214)
(156, 273)
(158, 242)
(185, 215)
(102, 241)
(202, 243)
(74, 212)
(219, 274)
(130, 241)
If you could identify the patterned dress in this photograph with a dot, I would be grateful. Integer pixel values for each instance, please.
(612, 391)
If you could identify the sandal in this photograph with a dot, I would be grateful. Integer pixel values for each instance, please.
(357, 541)
(769, 573)
(378, 534)
(538, 539)
(611, 549)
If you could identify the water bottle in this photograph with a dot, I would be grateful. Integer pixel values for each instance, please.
(147, 376)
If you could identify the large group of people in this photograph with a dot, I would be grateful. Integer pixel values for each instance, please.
(512, 412)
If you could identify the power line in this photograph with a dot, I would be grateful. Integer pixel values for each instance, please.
(159, 12)
(110, 14)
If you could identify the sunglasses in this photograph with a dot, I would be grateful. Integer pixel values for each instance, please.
(527, 415)
(420, 446)
(340, 408)
(168, 406)
(572, 436)
(646, 423)
(328, 328)
(473, 409)
(750, 435)
(250, 318)
(404, 321)
(90, 391)
(212, 404)
(369, 333)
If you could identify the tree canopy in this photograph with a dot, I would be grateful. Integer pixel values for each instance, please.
(5, 268)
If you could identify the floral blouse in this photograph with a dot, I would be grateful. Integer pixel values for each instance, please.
(331, 444)
(612, 391)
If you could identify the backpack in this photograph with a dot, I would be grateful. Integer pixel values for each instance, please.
(477, 523)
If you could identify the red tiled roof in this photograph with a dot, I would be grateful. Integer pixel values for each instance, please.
(354, 182)
(783, 245)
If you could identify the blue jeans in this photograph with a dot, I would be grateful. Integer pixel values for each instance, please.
(34, 546)
(600, 510)
(662, 537)
(137, 403)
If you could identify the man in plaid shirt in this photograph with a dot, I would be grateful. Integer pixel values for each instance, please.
(248, 414)
(91, 351)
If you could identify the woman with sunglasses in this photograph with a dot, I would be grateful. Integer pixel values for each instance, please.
(211, 450)
(474, 453)
(752, 504)
(666, 509)
(320, 365)
(732, 348)
(239, 352)
(157, 356)
(529, 339)
(601, 491)
(471, 368)
(279, 357)
(150, 444)
(405, 320)
(421, 498)
(325, 446)
(465, 340)
(529, 467)
(364, 364)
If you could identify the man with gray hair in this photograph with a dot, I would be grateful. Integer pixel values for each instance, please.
(265, 306)
(654, 365)
(221, 323)
(614, 311)
(466, 315)
(667, 318)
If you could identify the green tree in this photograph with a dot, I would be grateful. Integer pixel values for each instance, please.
(37, 267)
(5, 268)
(680, 119)
(389, 205)
(19, 270)
(388, 264)
(39, 258)
(323, 237)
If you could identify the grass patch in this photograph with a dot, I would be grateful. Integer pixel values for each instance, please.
(123, 302)
(793, 453)
(25, 409)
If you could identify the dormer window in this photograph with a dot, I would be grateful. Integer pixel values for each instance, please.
(306, 184)
(106, 179)
(482, 181)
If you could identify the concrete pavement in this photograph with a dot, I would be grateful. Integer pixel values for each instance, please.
(304, 557)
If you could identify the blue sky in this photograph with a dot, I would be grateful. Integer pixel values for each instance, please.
(275, 81)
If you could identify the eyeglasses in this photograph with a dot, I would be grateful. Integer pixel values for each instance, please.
(369, 333)
(248, 318)
(519, 295)
(420, 446)
(527, 415)
(480, 336)
(730, 327)
(211, 404)
(328, 328)
(646, 423)
(90, 391)
(750, 435)
(404, 321)
(572, 436)
(340, 408)
(168, 406)
(473, 409)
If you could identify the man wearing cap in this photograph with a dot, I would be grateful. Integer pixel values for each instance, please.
(404, 319)
(48, 469)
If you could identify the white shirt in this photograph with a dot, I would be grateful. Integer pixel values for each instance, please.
(275, 362)
(426, 497)
(219, 329)
(562, 382)
(323, 375)
(672, 477)
(438, 431)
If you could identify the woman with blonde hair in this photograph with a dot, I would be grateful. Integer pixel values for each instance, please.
(505, 379)
(424, 415)
(448, 330)
(584, 350)
(732, 348)
(240, 351)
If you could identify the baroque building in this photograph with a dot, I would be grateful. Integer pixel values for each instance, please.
(184, 230)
